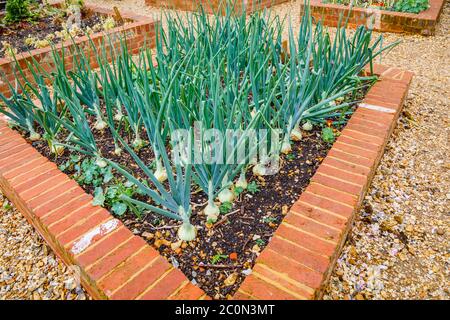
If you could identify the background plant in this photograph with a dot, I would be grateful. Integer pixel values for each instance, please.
(17, 10)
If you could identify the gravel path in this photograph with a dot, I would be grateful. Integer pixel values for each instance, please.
(28, 267)
(399, 245)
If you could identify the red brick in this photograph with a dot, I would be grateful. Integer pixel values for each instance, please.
(326, 204)
(241, 296)
(71, 219)
(104, 245)
(143, 280)
(16, 160)
(370, 125)
(268, 275)
(319, 215)
(25, 177)
(375, 148)
(73, 205)
(13, 146)
(43, 194)
(346, 166)
(297, 252)
(83, 226)
(306, 240)
(49, 207)
(355, 151)
(342, 175)
(331, 182)
(113, 259)
(366, 130)
(26, 167)
(300, 265)
(344, 156)
(264, 291)
(381, 103)
(52, 187)
(128, 269)
(332, 194)
(312, 227)
(188, 292)
(165, 286)
(362, 136)
(35, 177)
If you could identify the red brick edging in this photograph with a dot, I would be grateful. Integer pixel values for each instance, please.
(115, 264)
(138, 31)
(212, 5)
(389, 21)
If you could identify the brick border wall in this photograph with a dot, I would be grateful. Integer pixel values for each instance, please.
(115, 264)
(212, 5)
(140, 31)
(300, 257)
(389, 21)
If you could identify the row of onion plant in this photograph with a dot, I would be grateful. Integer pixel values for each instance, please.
(228, 72)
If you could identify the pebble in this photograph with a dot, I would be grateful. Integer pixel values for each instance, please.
(404, 219)
(28, 269)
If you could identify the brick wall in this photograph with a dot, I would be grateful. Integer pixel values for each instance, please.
(213, 5)
(388, 21)
(139, 31)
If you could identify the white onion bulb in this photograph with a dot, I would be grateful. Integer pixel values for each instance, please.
(187, 232)
(242, 181)
(307, 126)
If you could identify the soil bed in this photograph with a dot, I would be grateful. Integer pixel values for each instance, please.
(16, 34)
(238, 236)
(225, 252)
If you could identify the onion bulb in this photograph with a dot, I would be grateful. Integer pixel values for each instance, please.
(225, 195)
(57, 148)
(259, 169)
(187, 232)
(286, 146)
(160, 172)
(117, 151)
(296, 134)
(100, 125)
(100, 162)
(138, 143)
(212, 212)
(307, 126)
(242, 181)
(34, 136)
(118, 116)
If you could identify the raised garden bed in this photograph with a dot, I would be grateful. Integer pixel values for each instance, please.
(137, 29)
(380, 20)
(213, 5)
(298, 245)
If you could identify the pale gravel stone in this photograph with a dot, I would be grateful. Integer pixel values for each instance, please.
(399, 245)
(28, 267)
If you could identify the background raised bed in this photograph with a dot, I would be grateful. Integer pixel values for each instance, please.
(213, 5)
(138, 30)
(388, 21)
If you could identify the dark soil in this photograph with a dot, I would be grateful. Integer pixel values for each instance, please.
(16, 33)
(252, 220)
(233, 243)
